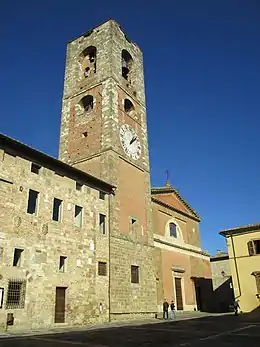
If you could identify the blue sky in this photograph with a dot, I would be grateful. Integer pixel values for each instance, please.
(202, 76)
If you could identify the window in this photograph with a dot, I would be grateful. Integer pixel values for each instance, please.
(88, 61)
(17, 257)
(32, 202)
(35, 168)
(134, 274)
(79, 186)
(133, 221)
(173, 230)
(102, 268)
(102, 195)
(128, 106)
(78, 216)
(62, 264)
(127, 62)
(87, 102)
(253, 247)
(56, 212)
(102, 223)
(15, 294)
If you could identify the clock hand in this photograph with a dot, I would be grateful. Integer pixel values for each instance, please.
(133, 140)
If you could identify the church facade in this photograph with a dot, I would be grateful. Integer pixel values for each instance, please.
(84, 239)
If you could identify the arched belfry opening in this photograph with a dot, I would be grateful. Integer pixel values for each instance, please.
(87, 102)
(128, 106)
(127, 64)
(88, 59)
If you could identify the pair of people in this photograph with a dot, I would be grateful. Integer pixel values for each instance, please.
(166, 308)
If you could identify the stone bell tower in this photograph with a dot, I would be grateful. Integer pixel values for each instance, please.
(104, 133)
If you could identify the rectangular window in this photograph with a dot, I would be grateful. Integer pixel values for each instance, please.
(35, 168)
(78, 216)
(102, 268)
(79, 186)
(56, 211)
(17, 257)
(134, 274)
(102, 195)
(253, 247)
(32, 202)
(102, 223)
(15, 294)
(62, 265)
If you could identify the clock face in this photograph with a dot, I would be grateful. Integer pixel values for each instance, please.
(130, 141)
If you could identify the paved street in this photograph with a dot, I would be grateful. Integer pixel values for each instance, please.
(224, 331)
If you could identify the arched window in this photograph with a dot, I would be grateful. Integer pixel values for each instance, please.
(88, 61)
(127, 63)
(87, 102)
(173, 230)
(128, 106)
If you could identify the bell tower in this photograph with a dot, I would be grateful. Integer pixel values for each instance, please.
(104, 132)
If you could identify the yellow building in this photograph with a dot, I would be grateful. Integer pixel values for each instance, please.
(244, 255)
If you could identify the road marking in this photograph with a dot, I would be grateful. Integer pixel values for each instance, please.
(67, 341)
(158, 329)
(212, 337)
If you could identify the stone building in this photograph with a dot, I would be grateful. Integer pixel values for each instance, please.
(222, 282)
(86, 231)
(53, 240)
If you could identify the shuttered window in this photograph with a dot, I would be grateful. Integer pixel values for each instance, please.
(134, 274)
(257, 279)
(253, 247)
(102, 268)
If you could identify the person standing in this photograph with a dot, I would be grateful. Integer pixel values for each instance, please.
(236, 307)
(165, 309)
(173, 310)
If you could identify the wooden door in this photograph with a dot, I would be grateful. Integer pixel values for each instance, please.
(178, 290)
(60, 305)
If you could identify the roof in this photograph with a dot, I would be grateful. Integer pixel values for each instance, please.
(240, 229)
(89, 32)
(219, 256)
(169, 197)
(31, 154)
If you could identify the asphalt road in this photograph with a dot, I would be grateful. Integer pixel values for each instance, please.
(224, 331)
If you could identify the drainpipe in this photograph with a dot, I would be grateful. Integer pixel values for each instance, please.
(235, 261)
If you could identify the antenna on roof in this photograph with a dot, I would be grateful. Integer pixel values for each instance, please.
(168, 184)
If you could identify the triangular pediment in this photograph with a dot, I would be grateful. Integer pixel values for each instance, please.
(171, 198)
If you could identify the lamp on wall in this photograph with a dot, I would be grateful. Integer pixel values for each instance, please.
(223, 273)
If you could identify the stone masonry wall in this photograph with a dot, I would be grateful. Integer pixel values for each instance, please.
(43, 241)
(108, 161)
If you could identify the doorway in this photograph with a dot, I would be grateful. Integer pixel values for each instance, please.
(60, 305)
(178, 291)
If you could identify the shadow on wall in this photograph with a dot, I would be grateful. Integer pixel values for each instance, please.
(209, 300)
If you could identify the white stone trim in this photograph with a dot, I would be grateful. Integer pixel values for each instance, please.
(178, 229)
(175, 246)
